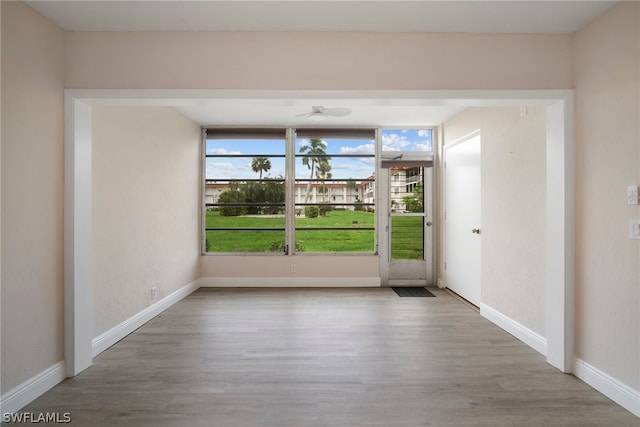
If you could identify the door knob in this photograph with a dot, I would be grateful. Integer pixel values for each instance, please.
(476, 231)
(428, 223)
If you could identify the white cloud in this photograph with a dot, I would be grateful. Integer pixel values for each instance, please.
(394, 142)
(221, 150)
(367, 169)
(360, 149)
(423, 147)
(423, 132)
(218, 166)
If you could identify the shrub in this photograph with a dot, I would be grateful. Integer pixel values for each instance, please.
(278, 246)
(311, 211)
(324, 208)
(231, 197)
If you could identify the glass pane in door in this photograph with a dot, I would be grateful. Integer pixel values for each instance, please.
(407, 237)
(407, 213)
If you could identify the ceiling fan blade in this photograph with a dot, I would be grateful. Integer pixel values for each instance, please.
(337, 111)
(319, 112)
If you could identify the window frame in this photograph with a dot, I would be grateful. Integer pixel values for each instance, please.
(243, 132)
(329, 134)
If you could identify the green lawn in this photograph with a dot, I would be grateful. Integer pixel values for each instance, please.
(407, 237)
(407, 234)
(354, 240)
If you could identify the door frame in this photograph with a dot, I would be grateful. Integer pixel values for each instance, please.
(560, 219)
(429, 231)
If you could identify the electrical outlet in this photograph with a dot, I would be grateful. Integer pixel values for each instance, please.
(634, 229)
(154, 292)
(632, 195)
(293, 268)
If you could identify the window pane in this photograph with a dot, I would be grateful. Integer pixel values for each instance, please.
(244, 146)
(407, 236)
(334, 195)
(407, 140)
(234, 158)
(226, 168)
(245, 195)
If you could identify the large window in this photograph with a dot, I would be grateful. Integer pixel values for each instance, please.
(285, 191)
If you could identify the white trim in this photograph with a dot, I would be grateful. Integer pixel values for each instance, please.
(518, 330)
(20, 396)
(615, 390)
(118, 332)
(559, 234)
(289, 282)
(78, 230)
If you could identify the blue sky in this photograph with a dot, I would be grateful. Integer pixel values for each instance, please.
(341, 168)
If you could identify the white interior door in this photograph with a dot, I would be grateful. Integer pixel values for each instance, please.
(463, 218)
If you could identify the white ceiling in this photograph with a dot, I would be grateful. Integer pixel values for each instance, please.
(558, 17)
(267, 112)
(552, 16)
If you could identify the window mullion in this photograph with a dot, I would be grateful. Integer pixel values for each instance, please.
(290, 151)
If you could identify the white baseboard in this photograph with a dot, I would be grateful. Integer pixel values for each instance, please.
(289, 282)
(115, 334)
(524, 334)
(615, 390)
(20, 396)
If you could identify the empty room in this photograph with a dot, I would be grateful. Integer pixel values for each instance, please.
(320, 213)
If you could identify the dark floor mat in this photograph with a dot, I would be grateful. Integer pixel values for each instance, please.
(412, 292)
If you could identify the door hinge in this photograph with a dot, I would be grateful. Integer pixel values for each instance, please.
(286, 249)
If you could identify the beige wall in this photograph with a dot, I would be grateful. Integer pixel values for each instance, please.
(513, 208)
(146, 196)
(281, 60)
(607, 74)
(32, 197)
(0, 198)
(306, 266)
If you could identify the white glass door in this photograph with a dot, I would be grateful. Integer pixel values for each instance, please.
(410, 224)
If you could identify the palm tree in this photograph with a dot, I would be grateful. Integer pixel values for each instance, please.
(316, 153)
(323, 172)
(260, 164)
(351, 187)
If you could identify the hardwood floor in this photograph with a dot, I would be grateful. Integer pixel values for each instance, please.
(321, 358)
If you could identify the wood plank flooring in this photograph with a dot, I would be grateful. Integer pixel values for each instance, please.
(323, 358)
